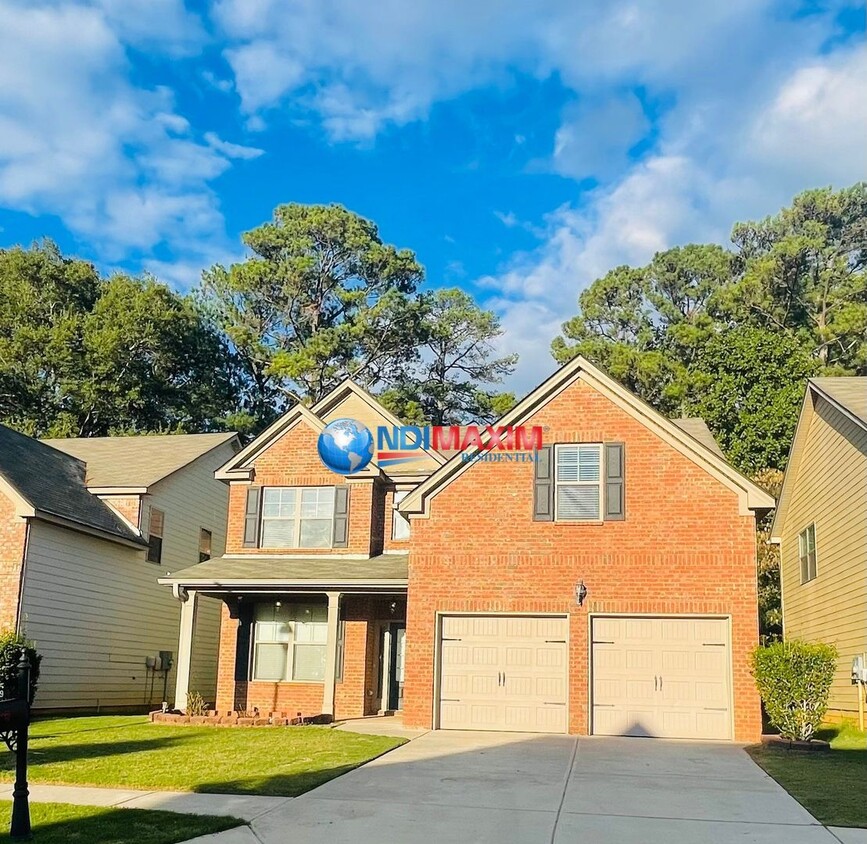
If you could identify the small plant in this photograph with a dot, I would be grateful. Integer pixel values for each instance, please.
(196, 704)
(794, 680)
(12, 644)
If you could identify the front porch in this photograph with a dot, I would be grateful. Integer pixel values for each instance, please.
(297, 647)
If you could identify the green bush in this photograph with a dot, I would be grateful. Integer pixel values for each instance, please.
(794, 679)
(11, 646)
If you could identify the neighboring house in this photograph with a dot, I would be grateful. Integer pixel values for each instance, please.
(821, 527)
(88, 527)
(472, 615)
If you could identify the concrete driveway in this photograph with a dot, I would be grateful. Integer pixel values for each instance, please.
(499, 788)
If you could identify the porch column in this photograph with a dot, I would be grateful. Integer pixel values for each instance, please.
(331, 654)
(185, 648)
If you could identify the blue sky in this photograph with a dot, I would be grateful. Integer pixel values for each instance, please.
(520, 149)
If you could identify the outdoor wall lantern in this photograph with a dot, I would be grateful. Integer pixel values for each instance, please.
(580, 593)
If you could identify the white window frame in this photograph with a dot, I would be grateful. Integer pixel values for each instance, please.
(599, 484)
(398, 520)
(804, 553)
(289, 643)
(296, 517)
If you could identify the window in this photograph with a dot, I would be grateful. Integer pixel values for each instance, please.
(578, 483)
(156, 523)
(289, 642)
(399, 523)
(205, 538)
(807, 553)
(298, 517)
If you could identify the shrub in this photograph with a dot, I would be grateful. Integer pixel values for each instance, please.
(196, 704)
(794, 679)
(11, 646)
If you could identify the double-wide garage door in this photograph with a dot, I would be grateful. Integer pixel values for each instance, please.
(651, 676)
(665, 677)
(503, 673)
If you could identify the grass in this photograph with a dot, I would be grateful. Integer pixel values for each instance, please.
(62, 823)
(831, 786)
(129, 752)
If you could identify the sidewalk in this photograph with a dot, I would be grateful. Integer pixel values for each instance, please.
(246, 807)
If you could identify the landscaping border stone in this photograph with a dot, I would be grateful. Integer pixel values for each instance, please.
(252, 718)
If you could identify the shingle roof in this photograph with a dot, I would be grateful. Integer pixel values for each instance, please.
(137, 461)
(848, 391)
(698, 429)
(53, 483)
(263, 568)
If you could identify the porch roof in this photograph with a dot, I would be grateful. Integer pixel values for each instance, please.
(277, 571)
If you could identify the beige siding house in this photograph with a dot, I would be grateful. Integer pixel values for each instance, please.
(821, 526)
(88, 596)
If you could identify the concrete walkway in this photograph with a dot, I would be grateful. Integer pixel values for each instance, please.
(379, 725)
(488, 788)
(246, 807)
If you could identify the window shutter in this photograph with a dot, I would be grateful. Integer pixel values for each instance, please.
(615, 473)
(243, 642)
(341, 517)
(543, 485)
(251, 517)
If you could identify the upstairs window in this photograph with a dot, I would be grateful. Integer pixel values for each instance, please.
(399, 523)
(578, 483)
(807, 553)
(298, 517)
(289, 642)
(205, 541)
(156, 524)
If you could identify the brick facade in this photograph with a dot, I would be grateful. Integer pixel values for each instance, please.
(684, 547)
(13, 533)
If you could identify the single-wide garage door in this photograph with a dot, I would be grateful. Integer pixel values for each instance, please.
(503, 673)
(664, 677)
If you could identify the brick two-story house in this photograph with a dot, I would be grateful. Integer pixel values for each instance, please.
(605, 582)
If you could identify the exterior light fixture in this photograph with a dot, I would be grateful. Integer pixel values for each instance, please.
(580, 593)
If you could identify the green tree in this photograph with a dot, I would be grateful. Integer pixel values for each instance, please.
(747, 383)
(81, 355)
(450, 379)
(320, 298)
(770, 603)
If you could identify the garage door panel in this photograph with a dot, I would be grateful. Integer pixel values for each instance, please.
(671, 678)
(514, 670)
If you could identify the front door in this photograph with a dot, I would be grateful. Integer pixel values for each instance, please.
(393, 649)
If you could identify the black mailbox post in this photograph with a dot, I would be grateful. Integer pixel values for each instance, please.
(14, 724)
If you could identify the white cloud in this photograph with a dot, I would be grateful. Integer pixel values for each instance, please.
(166, 26)
(117, 163)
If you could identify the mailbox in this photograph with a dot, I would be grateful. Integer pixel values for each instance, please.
(14, 714)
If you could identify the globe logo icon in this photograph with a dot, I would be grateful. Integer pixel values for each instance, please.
(345, 446)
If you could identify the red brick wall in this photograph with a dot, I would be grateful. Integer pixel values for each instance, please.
(683, 548)
(129, 506)
(13, 531)
(293, 461)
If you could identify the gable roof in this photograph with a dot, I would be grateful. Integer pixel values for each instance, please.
(139, 461)
(848, 396)
(53, 485)
(750, 496)
(697, 428)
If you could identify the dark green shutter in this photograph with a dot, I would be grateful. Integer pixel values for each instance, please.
(244, 642)
(341, 517)
(615, 488)
(543, 485)
(251, 517)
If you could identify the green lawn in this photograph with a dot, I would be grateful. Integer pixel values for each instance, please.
(831, 786)
(128, 751)
(61, 823)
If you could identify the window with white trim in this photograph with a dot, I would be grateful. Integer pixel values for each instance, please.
(399, 523)
(578, 483)
(289, 642)
(156, 526)
(807, 553)
(297, 517)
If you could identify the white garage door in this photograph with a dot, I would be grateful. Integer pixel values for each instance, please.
(503, 673)
(664, 677)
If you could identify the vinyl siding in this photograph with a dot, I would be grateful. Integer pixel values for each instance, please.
(192, 499)
(95, 608)
(830, 490)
